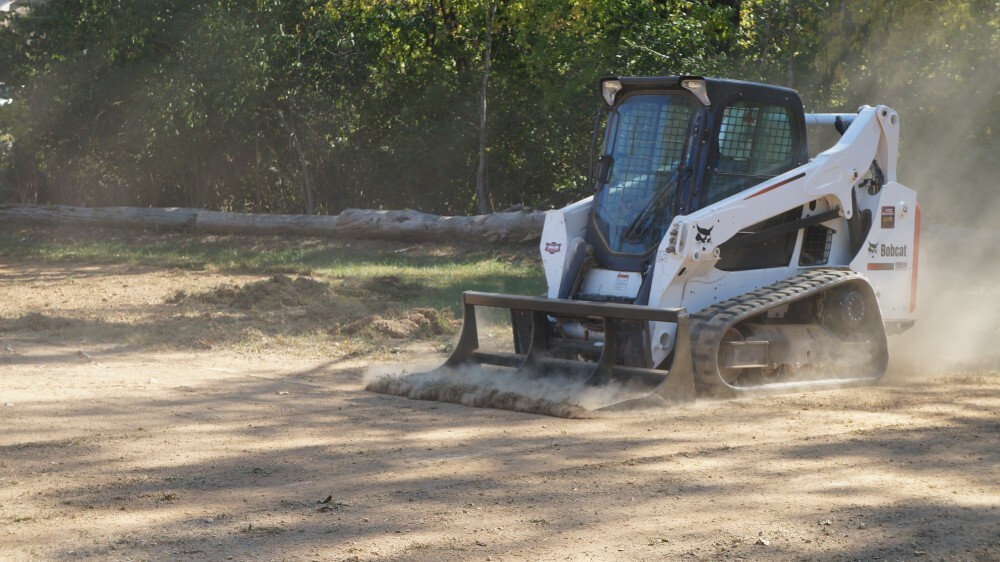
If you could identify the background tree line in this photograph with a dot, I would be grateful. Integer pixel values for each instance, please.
(315, 106)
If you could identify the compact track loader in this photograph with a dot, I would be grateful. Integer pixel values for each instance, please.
(714, 258)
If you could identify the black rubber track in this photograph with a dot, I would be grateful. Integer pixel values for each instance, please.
(710, 324)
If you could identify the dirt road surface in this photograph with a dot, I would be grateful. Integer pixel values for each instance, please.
(116, 449)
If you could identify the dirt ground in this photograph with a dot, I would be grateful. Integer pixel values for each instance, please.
(115, 449)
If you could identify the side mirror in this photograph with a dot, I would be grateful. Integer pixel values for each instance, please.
(603, 171)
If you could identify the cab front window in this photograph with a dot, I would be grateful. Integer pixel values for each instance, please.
(647, 143)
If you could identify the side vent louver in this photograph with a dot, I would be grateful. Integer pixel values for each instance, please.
(816, 245)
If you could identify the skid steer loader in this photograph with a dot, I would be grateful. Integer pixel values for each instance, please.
(715, 258)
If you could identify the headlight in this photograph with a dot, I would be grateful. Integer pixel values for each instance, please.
(697, 87)
(608, 90)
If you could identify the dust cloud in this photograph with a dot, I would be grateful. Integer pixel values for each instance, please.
(958, 304)
(947, 154)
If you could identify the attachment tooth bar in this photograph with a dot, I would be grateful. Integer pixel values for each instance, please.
(664, 387)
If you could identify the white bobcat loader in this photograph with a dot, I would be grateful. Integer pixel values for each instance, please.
(714, 258)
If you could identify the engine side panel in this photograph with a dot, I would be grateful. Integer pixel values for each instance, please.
(888, 256)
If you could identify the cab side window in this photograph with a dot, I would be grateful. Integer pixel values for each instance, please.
(756, 142)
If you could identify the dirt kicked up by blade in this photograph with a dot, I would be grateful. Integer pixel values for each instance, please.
(486, 387)
(451, 385)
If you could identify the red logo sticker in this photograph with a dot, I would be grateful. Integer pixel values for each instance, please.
(553, 247)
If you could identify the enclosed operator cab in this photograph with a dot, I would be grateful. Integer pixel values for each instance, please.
(675, 145)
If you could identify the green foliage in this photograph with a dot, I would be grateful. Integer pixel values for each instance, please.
(938, 64)
(779, 40)
(373, 103)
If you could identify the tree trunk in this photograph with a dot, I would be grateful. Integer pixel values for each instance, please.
(792, 44)
(482, 190)
(307, 189)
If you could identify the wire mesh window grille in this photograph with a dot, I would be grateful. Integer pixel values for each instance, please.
(816, 244)
(647, 146)
(651, 140)
(756, 142)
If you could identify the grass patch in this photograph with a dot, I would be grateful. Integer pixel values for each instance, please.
(254, 254)
(429, 275)
(318, 293)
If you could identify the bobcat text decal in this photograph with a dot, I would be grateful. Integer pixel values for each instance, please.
(877, 250)
(890, 251)
(553, 247)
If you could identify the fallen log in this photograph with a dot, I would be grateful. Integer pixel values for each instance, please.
(515, 227)
(218, 222)
(407, 225)
(171, 218)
